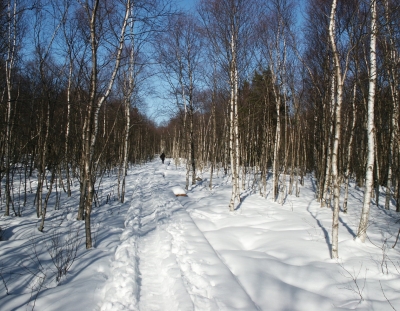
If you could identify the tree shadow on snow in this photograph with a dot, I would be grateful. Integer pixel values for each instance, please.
(324, 230)
(239, 206)
(347, 227)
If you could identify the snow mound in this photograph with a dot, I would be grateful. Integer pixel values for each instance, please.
(179, 191)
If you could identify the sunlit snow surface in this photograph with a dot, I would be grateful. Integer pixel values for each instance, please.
(157, 251)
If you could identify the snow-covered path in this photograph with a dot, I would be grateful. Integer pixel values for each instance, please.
(156, 251)
(164, 262)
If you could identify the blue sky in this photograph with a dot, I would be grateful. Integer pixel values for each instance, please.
(187, 4)
(157, 107)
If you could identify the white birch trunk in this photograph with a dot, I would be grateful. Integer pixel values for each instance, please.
(362, 228)
(234, 135)
(394, 82)
(191, 116)
(214, 135)
(377, 172)
(9, 67)
(231, 149)
(349, 150)
(128, 97)
(335, 149)
(236, 132)
(68, 125)
(325, 200)
(275, 163)
(126, 146)
(91, 126)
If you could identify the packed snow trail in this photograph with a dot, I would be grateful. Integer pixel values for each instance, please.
(164, 262)
(159, 252)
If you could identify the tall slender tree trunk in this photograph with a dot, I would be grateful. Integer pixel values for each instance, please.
(349, 150)
(125, 148)
(362, 228)
(393, 82)
(128, 96)
(67, 129)
(214, 135)
(232, 149)
(234, 135)
(335, 149)
(92, 115)
(325, 200)
(9, 70)
(376, 172)
(46, 201)
(275, 163)
(191, 116)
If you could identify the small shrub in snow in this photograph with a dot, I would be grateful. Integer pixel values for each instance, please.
(63, 251)
(355, 285)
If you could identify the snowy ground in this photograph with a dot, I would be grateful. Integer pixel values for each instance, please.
(161, 252)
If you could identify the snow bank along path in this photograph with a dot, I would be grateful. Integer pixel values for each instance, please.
(164, 262)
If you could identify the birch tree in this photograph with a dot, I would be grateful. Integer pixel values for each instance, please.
(350, 148)
(392, 59)
(275, 34)
(70, 32)
(317, 61)
(129, 86)
(95, 101)
(229, 26)
(340, 70)
(363, 225)
(13, 35)
(180, 54)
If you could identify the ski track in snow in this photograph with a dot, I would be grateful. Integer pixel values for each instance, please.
(158, 265)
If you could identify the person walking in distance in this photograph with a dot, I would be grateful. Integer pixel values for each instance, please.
(162, 157)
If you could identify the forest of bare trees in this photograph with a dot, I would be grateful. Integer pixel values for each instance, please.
(279, 99)
(70, 98)
(268, 88)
